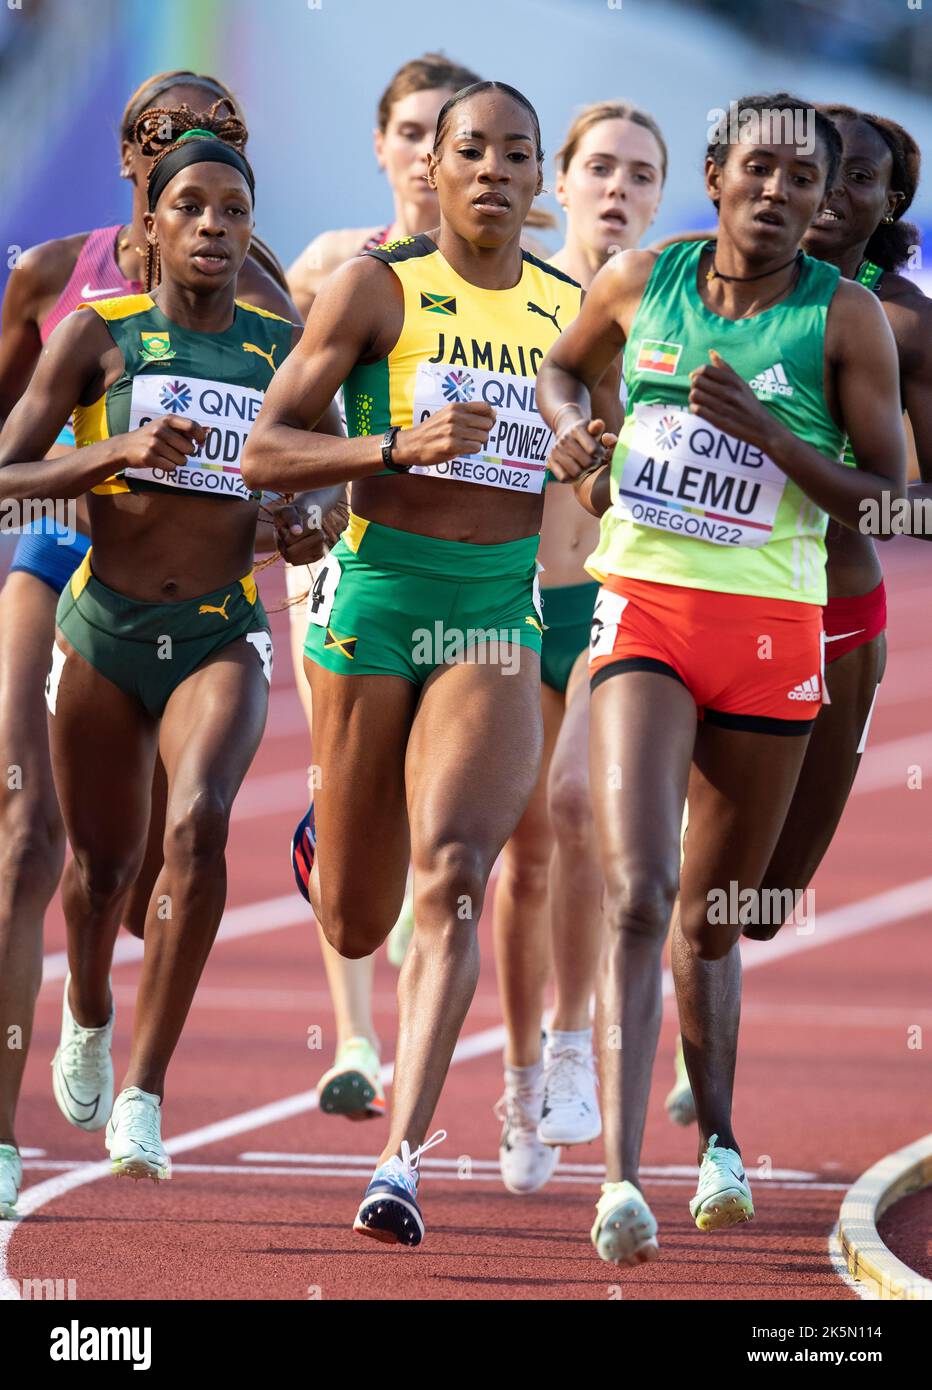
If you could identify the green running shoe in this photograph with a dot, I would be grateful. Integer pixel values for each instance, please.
(625, 1230)
(400, 935)
(353, 1087)
(681, 1107)
(723, 1197)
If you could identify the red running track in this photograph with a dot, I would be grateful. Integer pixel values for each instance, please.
(262, 1206)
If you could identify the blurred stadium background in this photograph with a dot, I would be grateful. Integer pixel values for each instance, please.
(309, 73)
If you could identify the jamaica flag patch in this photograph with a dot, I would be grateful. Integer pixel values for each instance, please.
(438, 303)
(347, 645)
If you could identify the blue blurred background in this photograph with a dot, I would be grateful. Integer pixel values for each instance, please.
(309, 73)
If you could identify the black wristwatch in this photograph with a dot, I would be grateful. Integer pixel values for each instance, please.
(388, 444)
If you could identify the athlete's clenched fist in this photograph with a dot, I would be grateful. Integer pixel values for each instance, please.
(452, 432)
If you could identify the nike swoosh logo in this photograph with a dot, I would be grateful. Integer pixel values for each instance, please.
(837, 637)
(90, 1105)
(88, 293)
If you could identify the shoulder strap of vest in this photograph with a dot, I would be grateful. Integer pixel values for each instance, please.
(869, 275)
(406, 248)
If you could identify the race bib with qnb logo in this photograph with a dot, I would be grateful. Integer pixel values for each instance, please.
(515, 456)
(229, 411)
(683, 475)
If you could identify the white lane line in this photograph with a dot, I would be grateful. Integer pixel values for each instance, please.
(672, 1170)
(880, 910)
(890, 764)
(658, 1177)
(252, 919)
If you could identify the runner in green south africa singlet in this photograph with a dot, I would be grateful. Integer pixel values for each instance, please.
(218, 379)
(691, 505)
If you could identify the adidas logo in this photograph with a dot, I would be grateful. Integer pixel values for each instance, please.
(772, 380)
(806, 690)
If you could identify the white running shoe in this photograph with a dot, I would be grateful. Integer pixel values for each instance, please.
(680, 1102)
(570, 1113)
(134, 1136)
(525, 1162)
(723, 1197)
(625, 1230)
(399, 938)
(82, 1070)
(11, 1178)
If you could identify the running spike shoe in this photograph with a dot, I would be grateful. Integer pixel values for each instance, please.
(389, 1211)
(723, 1197)
(353, 1087)
(625, 1230)
(303, 849)
(680, 1103)
(82, 1070)
(134, 1137)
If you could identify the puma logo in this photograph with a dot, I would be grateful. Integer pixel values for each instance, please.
(544, 315)
(222, 610)
(251, 347)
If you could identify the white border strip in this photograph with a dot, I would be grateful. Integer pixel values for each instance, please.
(869, 1261)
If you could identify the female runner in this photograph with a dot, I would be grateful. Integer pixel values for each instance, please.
(610, 179)
(424, 637)
(713, 565)
(162, 646)
(49, 282)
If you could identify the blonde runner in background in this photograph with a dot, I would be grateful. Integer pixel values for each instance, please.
(610, 177)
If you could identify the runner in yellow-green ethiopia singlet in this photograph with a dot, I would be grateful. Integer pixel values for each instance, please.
(747, 364)
(162, 643)
(424, 634)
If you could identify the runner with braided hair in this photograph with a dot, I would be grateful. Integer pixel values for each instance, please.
(162, 645)
(49, 281)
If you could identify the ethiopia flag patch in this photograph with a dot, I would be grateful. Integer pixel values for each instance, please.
(658, 357)
(438, 303)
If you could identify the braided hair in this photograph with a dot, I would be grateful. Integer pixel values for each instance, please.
(155, 133)
(148, 93)
(891, 242)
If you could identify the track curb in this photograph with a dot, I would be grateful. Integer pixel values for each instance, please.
(868, 1259)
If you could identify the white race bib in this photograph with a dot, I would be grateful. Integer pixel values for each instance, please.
(606, 620)
(683, 475)
(229, 411)
(515, 456)
(323, 591)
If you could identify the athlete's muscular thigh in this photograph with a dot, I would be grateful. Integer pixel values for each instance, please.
(473, 760)
(361, 726)
(28, 805)
(27, 629)
(740, 789)
(103, 746)
(642, 731)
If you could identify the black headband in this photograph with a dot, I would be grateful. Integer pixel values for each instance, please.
(201, 149)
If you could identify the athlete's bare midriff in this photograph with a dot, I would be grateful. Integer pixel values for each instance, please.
(853, 567)
(569, 534)
(157, 548)
(451, 511)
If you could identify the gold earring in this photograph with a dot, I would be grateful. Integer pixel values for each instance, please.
(888, 220)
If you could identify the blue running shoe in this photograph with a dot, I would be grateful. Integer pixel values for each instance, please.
(303, 849)
(389, 1211)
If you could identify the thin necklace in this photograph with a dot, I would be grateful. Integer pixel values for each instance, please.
(715, 274)
(123, 244)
